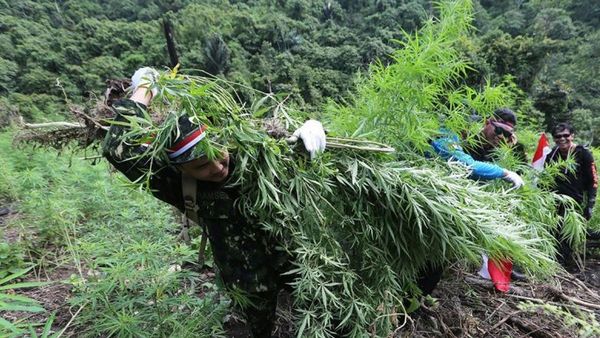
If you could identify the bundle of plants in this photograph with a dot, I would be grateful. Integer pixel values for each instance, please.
(411, 101)
(90, 125)
(360, 224)
(396, 214)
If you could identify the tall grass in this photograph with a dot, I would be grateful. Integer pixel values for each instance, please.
(119, 240)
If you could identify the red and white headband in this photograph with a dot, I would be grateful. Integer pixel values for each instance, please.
(187, 143)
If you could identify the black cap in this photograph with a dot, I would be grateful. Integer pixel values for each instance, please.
(506, 116)
(186, 137)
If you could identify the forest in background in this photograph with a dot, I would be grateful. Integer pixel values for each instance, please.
(53, 52)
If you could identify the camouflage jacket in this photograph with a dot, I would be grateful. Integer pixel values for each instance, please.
(246, 255)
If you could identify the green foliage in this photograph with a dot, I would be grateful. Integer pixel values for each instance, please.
(137, 286)
(97, 70)
(8, 72)
(330, 214)
(585, 124)
(554, 100)
(519, 56)
(313, 48)
(9, 301)
(217, 56)
(550, 42)
(11, 257)
(423, 90)
(129, 279)
(361, 225)
(554, 23)
(402, 101)
(36, 80)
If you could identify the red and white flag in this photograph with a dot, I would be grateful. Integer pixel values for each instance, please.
(498, 271)
(542, 150)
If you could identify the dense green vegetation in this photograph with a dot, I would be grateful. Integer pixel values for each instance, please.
(527, 55)
(122, 258)
(306, 48)
(361, 225)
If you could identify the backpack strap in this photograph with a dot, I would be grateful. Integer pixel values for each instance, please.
(189, 189)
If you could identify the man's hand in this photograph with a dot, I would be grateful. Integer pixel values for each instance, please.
(513, 178)
(312, 135)
(144, 78)
(512, 140)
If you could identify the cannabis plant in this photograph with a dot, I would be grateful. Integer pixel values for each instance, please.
(9, 301)
(361, 225)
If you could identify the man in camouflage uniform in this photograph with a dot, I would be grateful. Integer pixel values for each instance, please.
(246, 255)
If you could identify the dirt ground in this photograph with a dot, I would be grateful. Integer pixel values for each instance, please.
(469, 306)
(465, 305)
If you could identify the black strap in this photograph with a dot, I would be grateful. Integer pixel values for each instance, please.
(189, 190)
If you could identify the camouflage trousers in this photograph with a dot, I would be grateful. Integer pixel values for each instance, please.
(250, 260)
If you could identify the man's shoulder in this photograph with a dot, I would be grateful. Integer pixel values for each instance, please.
(583, 148)
(519, 146)
(583, 151)
(476, 147)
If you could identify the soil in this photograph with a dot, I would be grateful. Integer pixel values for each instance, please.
(469, 306)
(465, 305)
(53, 296)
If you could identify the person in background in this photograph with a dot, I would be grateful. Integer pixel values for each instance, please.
(499, 128)
(250, 260)
(496, 130)
(579, 182)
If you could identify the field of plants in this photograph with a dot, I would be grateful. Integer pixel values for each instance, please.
(86, 253)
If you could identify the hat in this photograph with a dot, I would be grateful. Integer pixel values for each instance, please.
(506, 116)
(187, 136)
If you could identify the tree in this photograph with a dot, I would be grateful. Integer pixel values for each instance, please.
(216, 56)
(553, 100)
(8, 72)
(521, 56)
(553, 23)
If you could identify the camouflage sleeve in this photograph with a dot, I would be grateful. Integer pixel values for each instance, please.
(120, 147)
(127, 154)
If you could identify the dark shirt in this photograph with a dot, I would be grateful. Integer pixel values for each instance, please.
(129, 157)
(580, 181)
(482, 151)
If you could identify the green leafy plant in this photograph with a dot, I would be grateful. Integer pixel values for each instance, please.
(11, 258)
(128, 279)
(140, 287)
(361, 225)
(10, 301)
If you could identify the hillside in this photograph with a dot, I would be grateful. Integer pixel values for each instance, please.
(305, 48)
(85, 252)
